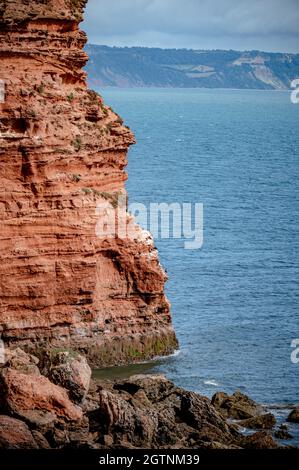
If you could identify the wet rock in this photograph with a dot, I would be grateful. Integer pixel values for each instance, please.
(259, 440)
(237, 406)
(235, 426)
(71, 371)
(14, 434)
(266, 421)
(294, 416)
(284, 427)
(282, 434)
(22, 393)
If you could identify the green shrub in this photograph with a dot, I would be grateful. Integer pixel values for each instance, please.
(70, 97)
(32, 113)
(87, 190)
(93, 96)
(76, 178)
(41, 88)
(77, 143)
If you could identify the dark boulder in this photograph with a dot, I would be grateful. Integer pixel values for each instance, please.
(151, 412)
(266, 421)
(156, 387)
(282, 434)
(237, 406)
(14, 434)
(294, 416)
(259, 440)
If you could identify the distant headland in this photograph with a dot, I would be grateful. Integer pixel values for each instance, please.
(187, 68)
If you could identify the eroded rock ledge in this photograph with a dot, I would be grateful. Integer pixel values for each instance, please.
(62, 152)
(51, 402)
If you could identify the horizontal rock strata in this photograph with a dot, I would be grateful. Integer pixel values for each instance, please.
(63, 154)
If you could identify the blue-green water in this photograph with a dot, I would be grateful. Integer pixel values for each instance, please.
(235, 302)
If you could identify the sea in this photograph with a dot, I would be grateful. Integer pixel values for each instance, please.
(235, 301)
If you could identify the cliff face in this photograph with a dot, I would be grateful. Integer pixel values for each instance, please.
(62, 154)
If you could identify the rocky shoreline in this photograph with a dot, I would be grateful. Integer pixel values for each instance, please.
(51, 402)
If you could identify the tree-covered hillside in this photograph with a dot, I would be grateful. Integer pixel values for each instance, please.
(152, 67)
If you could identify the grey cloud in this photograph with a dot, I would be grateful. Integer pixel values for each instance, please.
(238, 24)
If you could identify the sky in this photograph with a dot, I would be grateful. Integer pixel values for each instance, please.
(268, 25)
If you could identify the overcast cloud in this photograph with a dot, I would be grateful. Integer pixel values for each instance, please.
(270, 25)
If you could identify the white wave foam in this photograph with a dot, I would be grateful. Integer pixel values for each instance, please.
(211, 382)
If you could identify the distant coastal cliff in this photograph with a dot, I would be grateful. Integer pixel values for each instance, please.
(153, 67)
(63, 155)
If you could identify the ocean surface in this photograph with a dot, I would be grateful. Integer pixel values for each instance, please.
(235, 302)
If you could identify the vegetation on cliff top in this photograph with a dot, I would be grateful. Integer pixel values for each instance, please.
(149, 67)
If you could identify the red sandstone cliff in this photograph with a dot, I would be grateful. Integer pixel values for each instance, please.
(62, 151)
